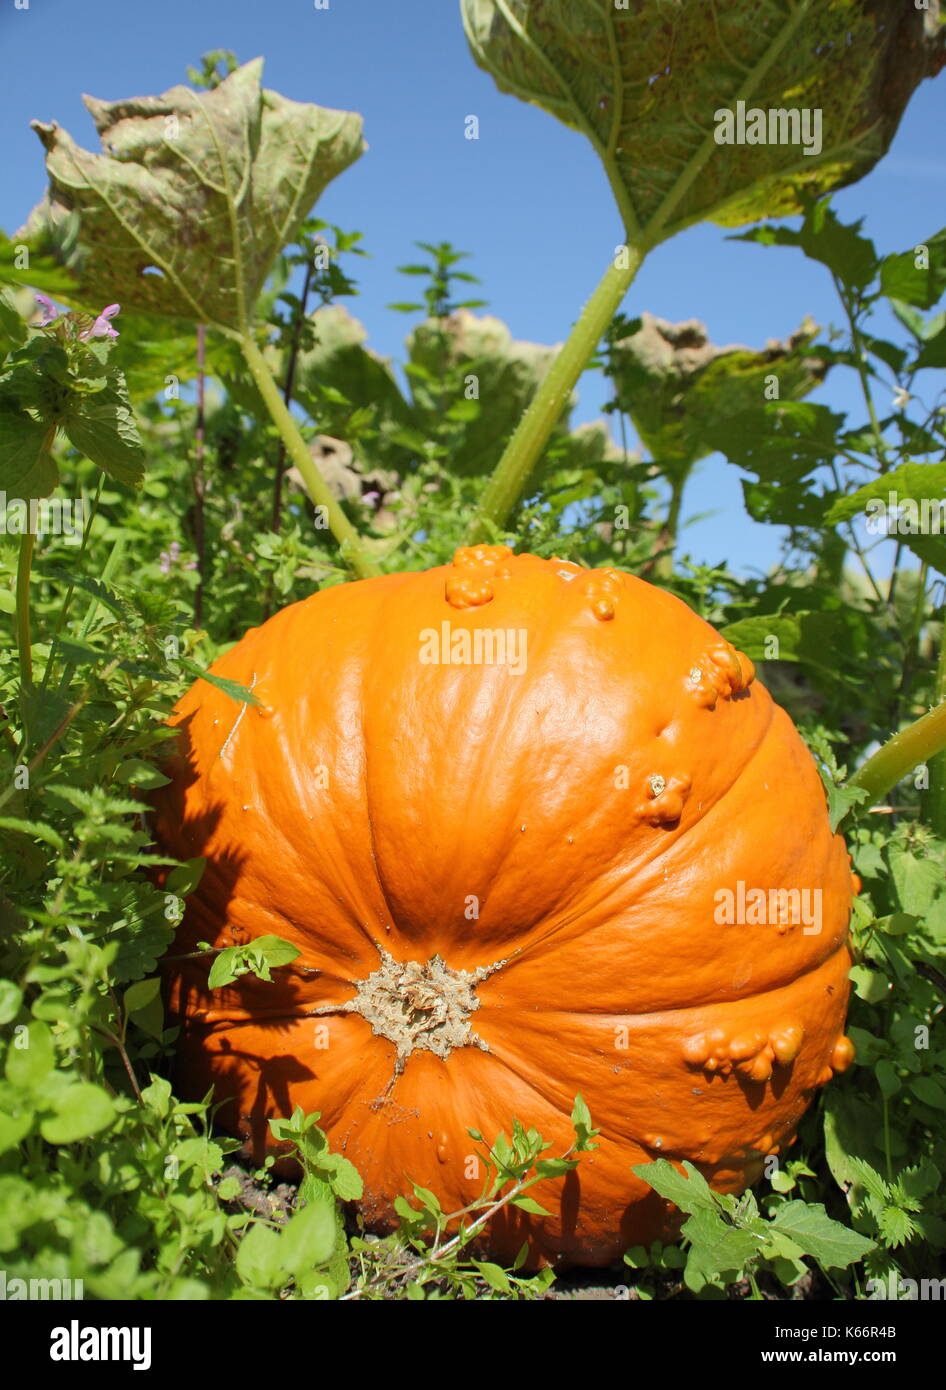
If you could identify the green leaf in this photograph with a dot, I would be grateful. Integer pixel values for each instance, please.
(934, 351)
(14, 1128)
(13, 330)
(688, 1190)
(136, 772)
(428, 1200)
(869, 985)
(258, 1258)
(716, 1249)
(806, 637)
(30, 1056)
(103, 428)
(37, 830)
(823, 237)
(494, 1275)
(203, 187)
(920, 285)
(655, 89)
(309, 1236)
(681, 391)
(896, 1226)
(918, 482)
(531, 1205)
(11, 999)
(887, 1078)
(917, 880)
(139, 995)
(581, 1121)
(26, 467)
(233, 689)
(186, 877)
(81, 1110)
(841, 800)
(930, 1092)
(834, 1246)
(780, 441)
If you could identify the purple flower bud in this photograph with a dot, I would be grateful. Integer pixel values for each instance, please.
(49, 309)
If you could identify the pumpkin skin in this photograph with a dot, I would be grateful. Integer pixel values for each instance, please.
(562, 833)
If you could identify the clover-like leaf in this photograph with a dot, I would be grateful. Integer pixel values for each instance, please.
(656, 85)
(195, 194)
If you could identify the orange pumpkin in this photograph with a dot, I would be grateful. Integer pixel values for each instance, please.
(528, 826)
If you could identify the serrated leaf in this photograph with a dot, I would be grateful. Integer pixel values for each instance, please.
(233, 689)
(26, 468)
(922, 284)
(647, 85)
(834, 1246)
(36, 829)
(715, 1248)
(203, 187)
(823, 237)
(896, 1226)
(688, 1190)
(103, 428)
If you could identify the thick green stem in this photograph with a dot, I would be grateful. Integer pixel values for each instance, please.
(316, 486)
(24, 647)
(667, 539)
(916, 744)
(934, 800)
(533, 431)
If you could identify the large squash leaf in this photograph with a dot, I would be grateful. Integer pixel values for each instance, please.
(195, 194)
(679, 389)
(646, 80)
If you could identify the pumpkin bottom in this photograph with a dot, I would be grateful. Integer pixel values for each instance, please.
(677, 1093)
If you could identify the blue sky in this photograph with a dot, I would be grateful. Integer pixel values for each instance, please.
(528, 198)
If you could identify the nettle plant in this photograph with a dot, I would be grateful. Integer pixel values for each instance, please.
(193, 391)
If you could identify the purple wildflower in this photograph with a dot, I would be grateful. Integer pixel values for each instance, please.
(49, 309)
(101, 328)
